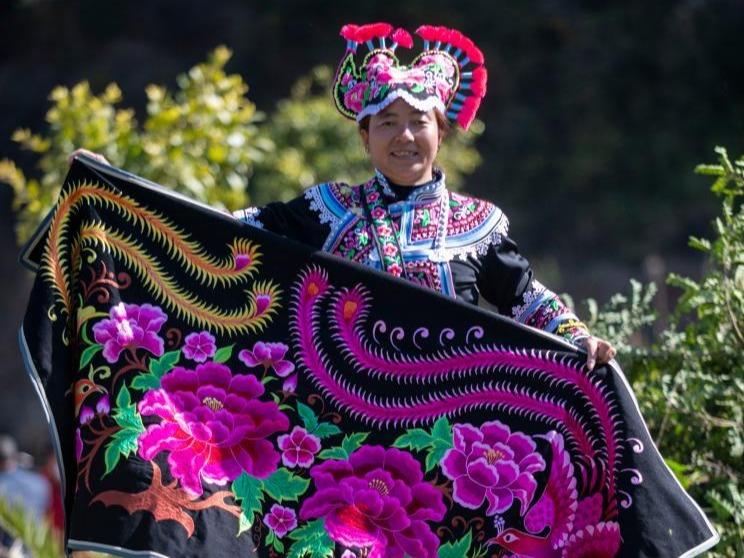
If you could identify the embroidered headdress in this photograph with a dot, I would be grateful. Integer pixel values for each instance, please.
(447, 75)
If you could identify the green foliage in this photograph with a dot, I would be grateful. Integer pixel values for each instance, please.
(315, 143)
(124, 441)
(434, 443)
(349, 445)
(690, 380)
(458, 549)
(201, 140)
(312, 541)
(39, 536)
(157, 369)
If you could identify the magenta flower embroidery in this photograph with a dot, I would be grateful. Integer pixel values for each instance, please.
(103, 405)
(281, 520)
(298, 448)
(86, 414)
(199, 346)
(268, 355)
(213, 426)
(492, 463)
(130, 326)
(290, 384)
(377, 499)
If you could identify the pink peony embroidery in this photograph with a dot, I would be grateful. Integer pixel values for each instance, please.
(492, 463)
(199, 346)
(130, 326)
(378, 499)
(281, 520)
(354, 97)
(213, 426)
(268, 355)
(298, 448)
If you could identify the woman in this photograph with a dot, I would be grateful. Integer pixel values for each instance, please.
(404, 220)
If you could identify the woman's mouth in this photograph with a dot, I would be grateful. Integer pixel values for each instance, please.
(404, 154)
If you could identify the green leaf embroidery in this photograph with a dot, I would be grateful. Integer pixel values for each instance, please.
(123, 399)
(284, 485)
(165, 363)
(442, 429)
(87, 355)
(143, 382)
(435, 444)
(308, 416)
(158, 369)
(436, 453)
(416, 439)
(122, 444)
(333, 453)
(456, 550)
(312, 541)
(248, 492)
(352, 442)
(223, 354)
(326, 430)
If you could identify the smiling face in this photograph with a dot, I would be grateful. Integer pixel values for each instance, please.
(403, 143)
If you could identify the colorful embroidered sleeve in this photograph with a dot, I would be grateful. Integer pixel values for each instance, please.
(506, 280)
(293, 219)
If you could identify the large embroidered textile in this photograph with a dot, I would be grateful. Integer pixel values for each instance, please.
(216, 390)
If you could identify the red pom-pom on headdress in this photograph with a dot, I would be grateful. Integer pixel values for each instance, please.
(480, 78)
(402, 37)
(467, 113)
(373, 31)
(349, 31)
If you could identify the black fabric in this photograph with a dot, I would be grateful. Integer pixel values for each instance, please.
(500, 276)
(219, 391)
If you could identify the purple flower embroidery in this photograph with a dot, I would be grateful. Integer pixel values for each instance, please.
(103, 405)
(268, 355)
(299, 447)
(492, 463)
(199, 346)
(86, 415)
(281, 520)
(290, 384)
(130, 326)
(377, 498)
(212, 424)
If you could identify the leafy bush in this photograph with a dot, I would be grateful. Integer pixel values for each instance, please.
(690, 380)
(202, 140)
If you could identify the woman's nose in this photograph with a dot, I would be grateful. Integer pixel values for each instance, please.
(404, 134)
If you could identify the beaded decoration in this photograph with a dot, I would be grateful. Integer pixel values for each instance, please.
(448, 75)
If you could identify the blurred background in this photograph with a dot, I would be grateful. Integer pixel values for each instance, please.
(596, 115)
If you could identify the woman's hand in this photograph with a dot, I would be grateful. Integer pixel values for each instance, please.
(598, 351)
(81, 151)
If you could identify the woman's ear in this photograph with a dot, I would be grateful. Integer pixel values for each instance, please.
(365, 138)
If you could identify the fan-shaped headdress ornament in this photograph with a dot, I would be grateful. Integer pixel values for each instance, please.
(447, 75)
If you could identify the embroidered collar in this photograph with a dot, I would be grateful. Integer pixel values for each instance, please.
(426, 193)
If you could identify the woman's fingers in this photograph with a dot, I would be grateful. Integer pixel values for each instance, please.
(591, 351)
(91, 154)
(605, 352)
(598, 351)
